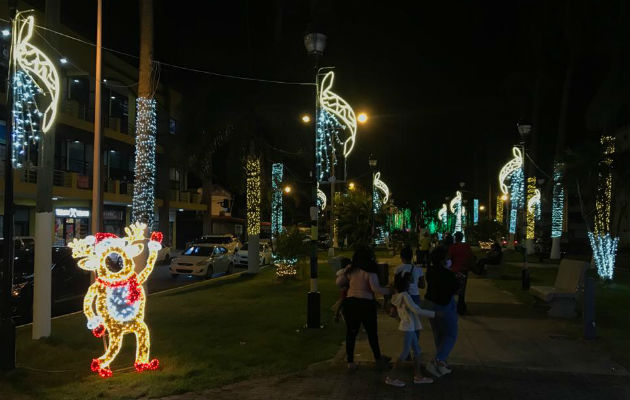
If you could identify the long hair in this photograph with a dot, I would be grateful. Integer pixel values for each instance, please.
(364, 259)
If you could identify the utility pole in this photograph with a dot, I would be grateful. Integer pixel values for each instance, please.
(7, 327)
(42, 274)
(97, 180)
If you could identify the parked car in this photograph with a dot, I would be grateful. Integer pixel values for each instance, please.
(230, 242)
(69, 284)
(241, 256)
(203, 260)
(164, 255)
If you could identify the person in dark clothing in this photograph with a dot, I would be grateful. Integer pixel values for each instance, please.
(440, 297)
(359, 308)
(493, 257)
(460, 255)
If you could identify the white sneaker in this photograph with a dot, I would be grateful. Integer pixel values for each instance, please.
(433, 369)
(394, 382)
(443, 368)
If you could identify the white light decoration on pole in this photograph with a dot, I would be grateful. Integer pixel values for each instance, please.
(277, 172)
(557, 206)
(475, 211)
(321, 199)
(36, 64)
(443, 215)
(517, 196)
(604, 252)
(456, 208)
(327, 136)
(379, 185)
(252, 172)
(335, 105)
(26, 117)
(509, 168)
(143, 204)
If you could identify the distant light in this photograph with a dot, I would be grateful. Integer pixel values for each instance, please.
(287, 189)
(112, 151)
(482, 207)
(63, 60)
(75, 80)
(113, 97)
(76, 141)
(504, 197)
(181, 209)
(104, 80)
(362, 118)
(351, 185)
(306, 118)
(6, 32)
(55, 198)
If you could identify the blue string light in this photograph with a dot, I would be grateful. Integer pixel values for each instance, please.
(328, 128)
(517, 196)
(604, 251)
(26, 117)
(277, 172)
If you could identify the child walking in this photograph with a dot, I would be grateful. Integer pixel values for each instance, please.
(409, 313)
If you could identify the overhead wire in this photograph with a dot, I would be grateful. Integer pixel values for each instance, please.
(175, 66)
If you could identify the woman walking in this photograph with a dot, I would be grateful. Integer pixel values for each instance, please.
(359, 307)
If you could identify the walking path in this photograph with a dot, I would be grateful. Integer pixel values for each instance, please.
(505, 350)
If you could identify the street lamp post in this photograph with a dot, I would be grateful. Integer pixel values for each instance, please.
(372, 162)
(315, 43)
(524, 130)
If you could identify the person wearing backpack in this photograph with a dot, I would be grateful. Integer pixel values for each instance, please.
(415, 272)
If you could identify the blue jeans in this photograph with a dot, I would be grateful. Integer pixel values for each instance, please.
(410, 342)
(444, 329)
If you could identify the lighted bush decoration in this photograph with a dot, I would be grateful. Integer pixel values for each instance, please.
(288, 249)
(114, 303)
(286, 268)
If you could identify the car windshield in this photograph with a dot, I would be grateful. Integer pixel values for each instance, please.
(199, 251)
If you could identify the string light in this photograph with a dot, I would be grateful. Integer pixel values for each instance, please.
(277, 172)
(603, 244)
(499, 216)
(34, 62)
(285, 268)
(328, 128)
(321, 198)
(604, 187)
(25, 117)
(335, 105)
(252, 172)
(115, 302)
(144, 182)
(475, 211)
(456, 209)
(510, 167)
(604, 251)
(557, 206)
(531, 207)
(443, 216)
(517, 196)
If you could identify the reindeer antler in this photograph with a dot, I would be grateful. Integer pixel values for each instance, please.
(135, 232)
(83, 247)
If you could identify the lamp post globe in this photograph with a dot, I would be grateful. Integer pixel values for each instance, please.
(315, 43)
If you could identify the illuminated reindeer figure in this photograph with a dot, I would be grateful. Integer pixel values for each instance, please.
(115, 301)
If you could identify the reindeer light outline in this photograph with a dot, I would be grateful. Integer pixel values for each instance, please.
(115, 302)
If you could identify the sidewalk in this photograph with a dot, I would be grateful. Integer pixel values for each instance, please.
(505, 350)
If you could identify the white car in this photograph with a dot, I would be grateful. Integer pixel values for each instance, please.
(205, 260)
(228, 241)
(164, 255)
(240, 258)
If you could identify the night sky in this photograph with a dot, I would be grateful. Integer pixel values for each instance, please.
(444, 84)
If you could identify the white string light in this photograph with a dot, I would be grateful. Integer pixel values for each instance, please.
(26, 117)
(328, 128)
(517, 196)
(252, 172)
(34, 62)
(382, 187)
(321, 198)
(144, 181)
(604, 251)
(277, 172)
(456, 209)
(508, 169)
(335, 105)
(557, 206)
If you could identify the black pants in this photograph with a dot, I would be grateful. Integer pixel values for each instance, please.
(356, 312)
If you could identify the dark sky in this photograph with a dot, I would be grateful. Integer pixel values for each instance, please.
(444, 83)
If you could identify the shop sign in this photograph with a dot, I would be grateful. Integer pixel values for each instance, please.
(72, 213)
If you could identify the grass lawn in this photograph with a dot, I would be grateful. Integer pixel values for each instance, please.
(207, 335)
(612, 300)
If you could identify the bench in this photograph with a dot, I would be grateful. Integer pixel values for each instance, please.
(562, 295)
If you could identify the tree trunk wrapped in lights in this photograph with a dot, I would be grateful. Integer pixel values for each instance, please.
(252, 172)
(277, 171)
(499, 216)
(557, 210)
(603, 244)
(144, 184)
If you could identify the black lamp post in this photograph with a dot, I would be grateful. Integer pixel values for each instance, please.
(524, 130)
(372, 162)
(315, 43)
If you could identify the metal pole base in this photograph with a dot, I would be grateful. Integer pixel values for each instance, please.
(313, 314)
(525, 279)
(7, 344)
